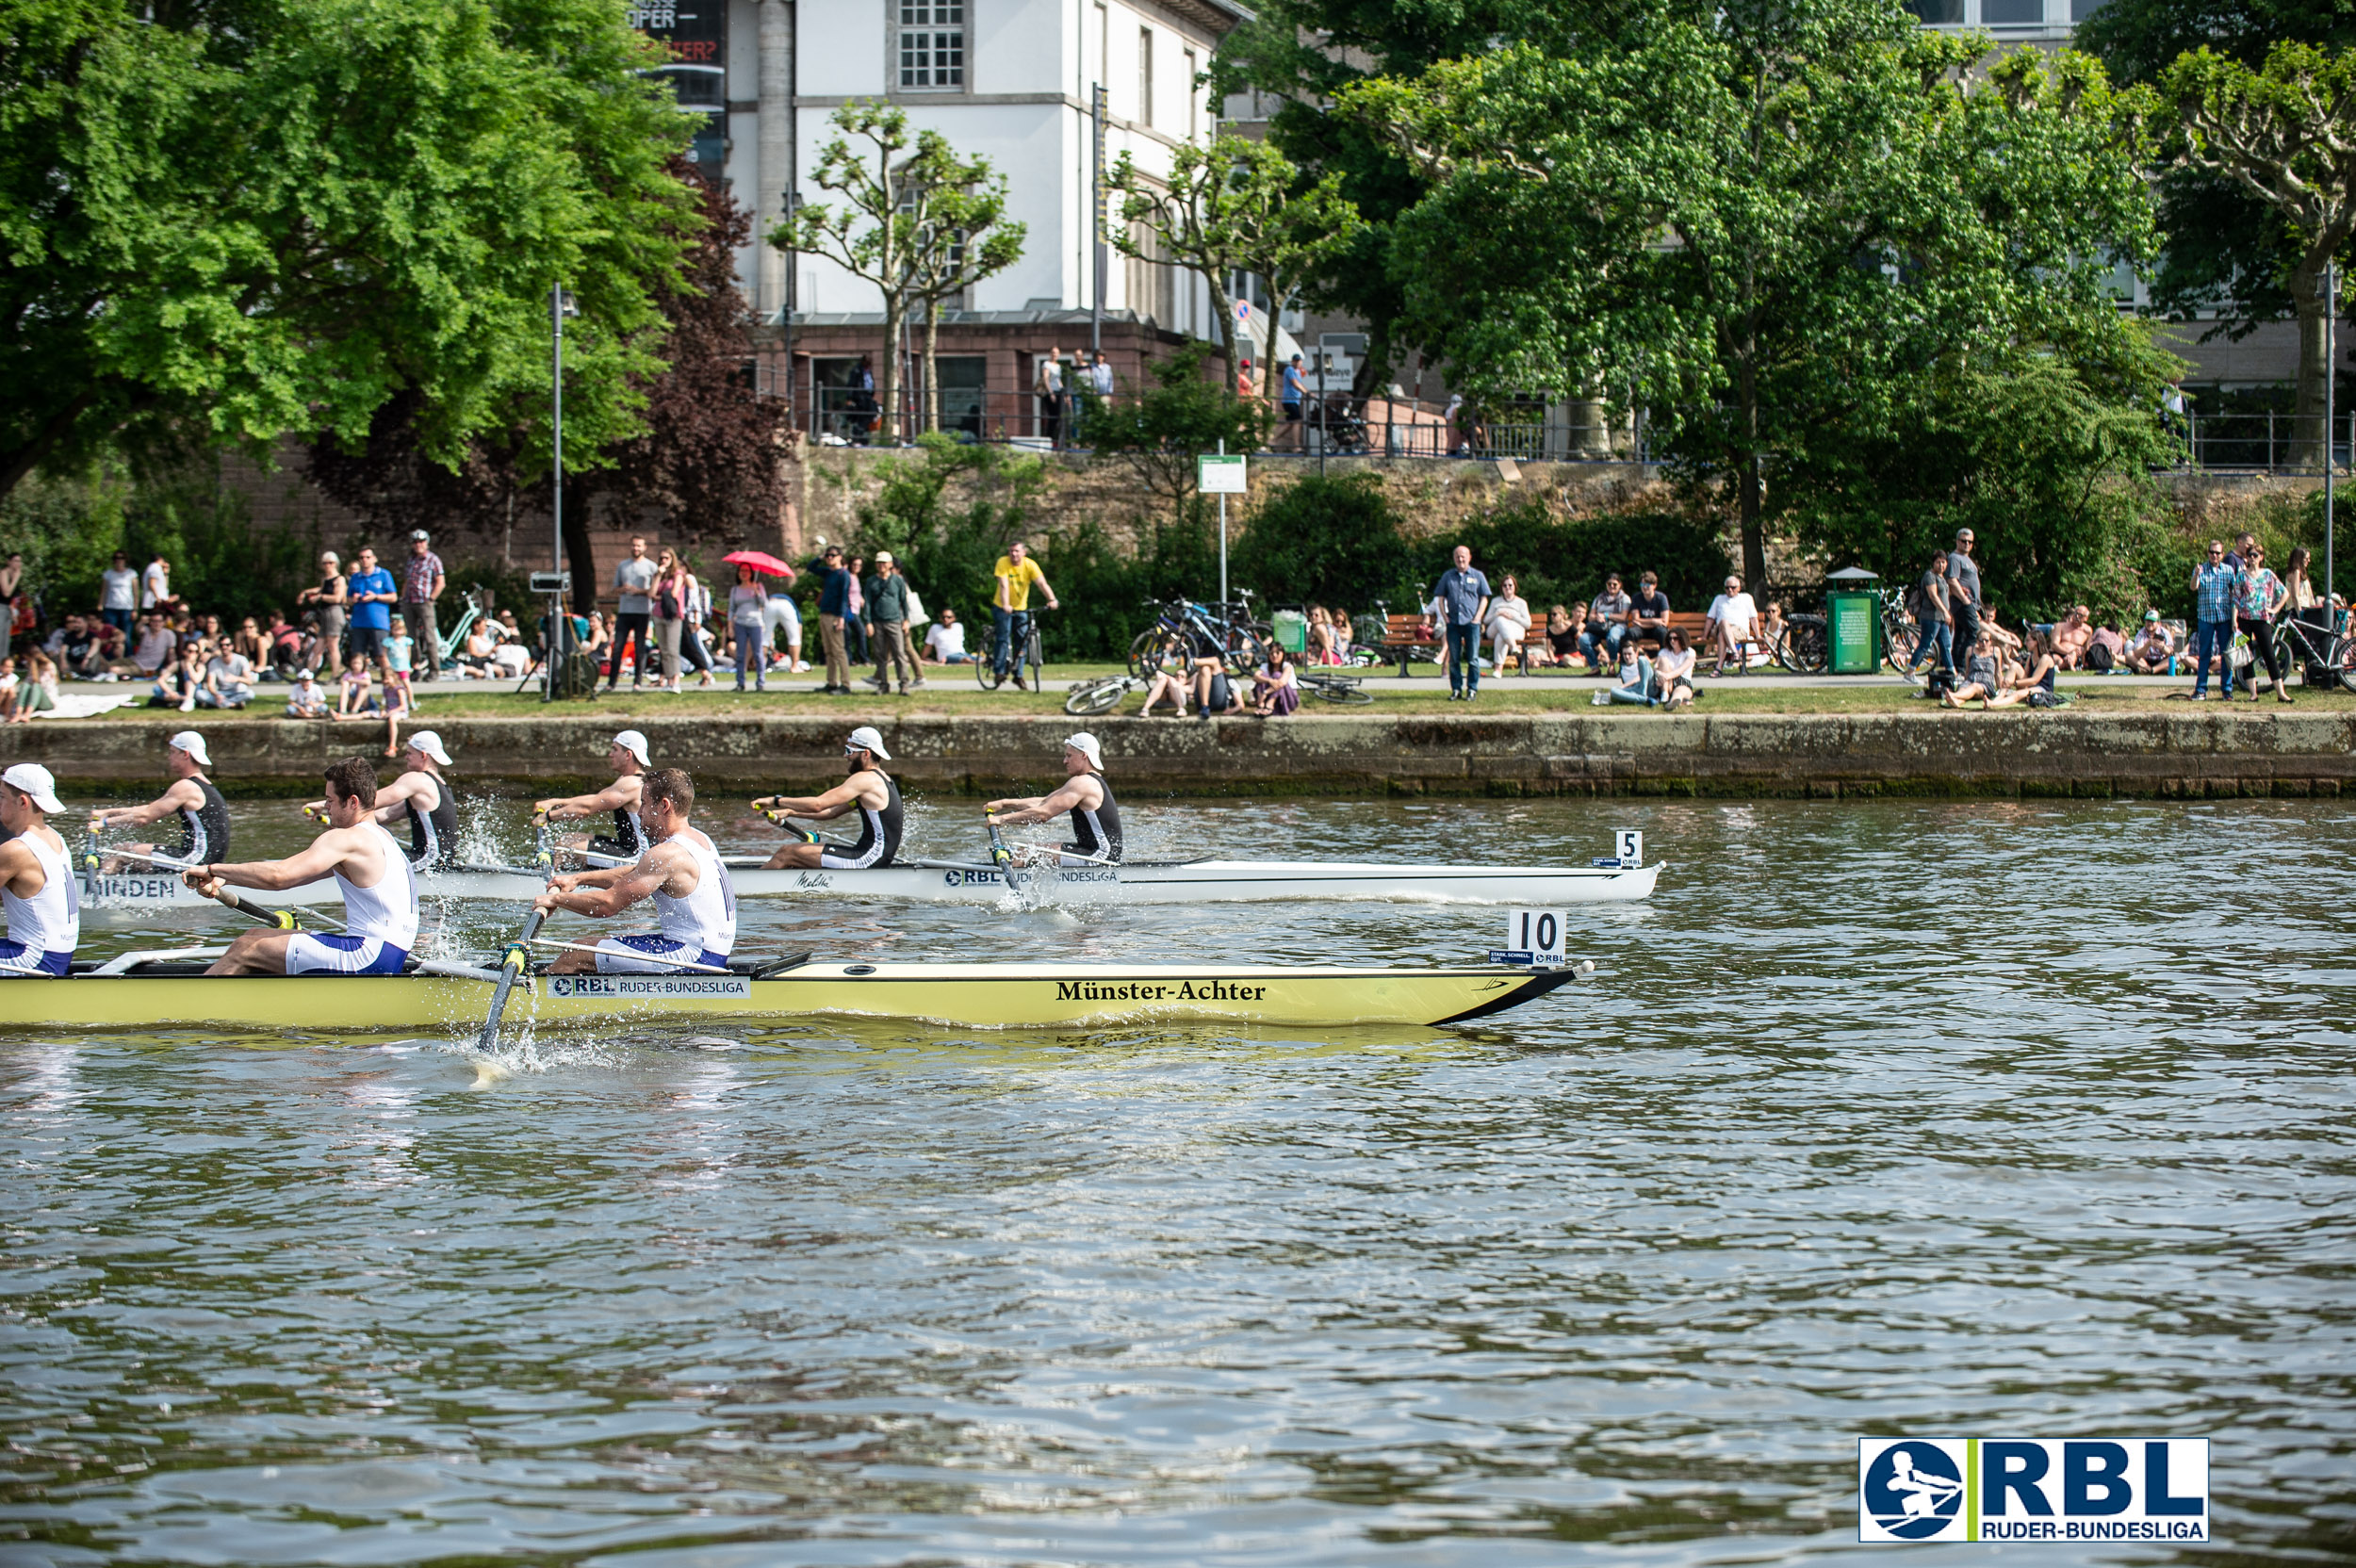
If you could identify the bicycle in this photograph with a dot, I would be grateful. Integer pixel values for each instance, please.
(1806, 645)
(1328, 686)
(1900, 635)
(1023, 648)
(1183, 631)
(2326, 658)
(1100, 695)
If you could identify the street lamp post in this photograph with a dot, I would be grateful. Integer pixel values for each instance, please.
(2331, 375)
(560, 621)
(792, 271)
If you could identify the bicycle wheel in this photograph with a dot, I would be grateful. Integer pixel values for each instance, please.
(1089, 697)
(1154, 650)
(1898, 640)
(1031, 656)
(988, 678)
(1341, 691)
(1806, 648)
(1244, 653)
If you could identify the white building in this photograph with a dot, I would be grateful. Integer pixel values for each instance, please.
(1010, 80)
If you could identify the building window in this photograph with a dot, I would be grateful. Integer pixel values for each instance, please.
(932, 44)
(1194, 93)
(1145, 75)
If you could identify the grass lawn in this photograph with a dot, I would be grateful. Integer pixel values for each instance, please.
(956, 693)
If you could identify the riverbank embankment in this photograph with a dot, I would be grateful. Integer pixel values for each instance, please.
(2208, 751)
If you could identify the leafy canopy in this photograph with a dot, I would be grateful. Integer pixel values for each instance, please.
(246, 216)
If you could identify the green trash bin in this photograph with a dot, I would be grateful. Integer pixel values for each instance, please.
(1292, 630)
(1852, 613)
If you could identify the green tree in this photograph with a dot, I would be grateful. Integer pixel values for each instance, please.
(240, 218)
(1688, 218)
(1236, 207)
(967, 205)
(947, 512)
(1331, 539)
(1163, 431)
(2285, 133)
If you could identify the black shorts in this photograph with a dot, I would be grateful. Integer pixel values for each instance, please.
(604, 844)
(1292, 410)
(365, 641)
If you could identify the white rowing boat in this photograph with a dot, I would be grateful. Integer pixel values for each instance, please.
(943, 882)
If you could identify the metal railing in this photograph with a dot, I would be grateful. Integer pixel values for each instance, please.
(2258, 442)
(1336, 425)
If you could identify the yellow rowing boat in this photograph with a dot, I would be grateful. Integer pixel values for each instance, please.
(985, 996)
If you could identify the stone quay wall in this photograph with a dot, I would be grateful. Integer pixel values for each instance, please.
(2207, 751)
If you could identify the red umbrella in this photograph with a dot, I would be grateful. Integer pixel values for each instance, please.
(767, 565)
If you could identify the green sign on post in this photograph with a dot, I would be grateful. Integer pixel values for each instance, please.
(1850, 617)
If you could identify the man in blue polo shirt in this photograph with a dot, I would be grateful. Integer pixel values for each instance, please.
(373, 594)
(1464, 595)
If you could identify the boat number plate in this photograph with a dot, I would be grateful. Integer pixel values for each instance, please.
(1536, 937)
(651, 987)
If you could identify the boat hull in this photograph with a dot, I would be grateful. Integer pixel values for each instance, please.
(980, 996)
(1198, 882)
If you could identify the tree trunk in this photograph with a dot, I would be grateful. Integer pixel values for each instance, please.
(887, 384)
(1753, 533)
(1226, 308)
(932, 364)
(2306, 283)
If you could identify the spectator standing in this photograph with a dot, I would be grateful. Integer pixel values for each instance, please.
(2302, 600)
(372, 594)
(748, 628)
(1100, 375)
(2213, 622)
(1010, 605)
(421, 584)
(834, 603)
(694, 646)
(1963, 591)
(669, 599)
(2258, 598)
(1462, 594)
(1293, 388)
(1507, 625)
(331, 600)
(855, 624)
(887, 609)
(1047, 386)
(1608, 616)
(155, 585)
(119, 595)
(1937, 623)
(12, 585)
(633, 580)
(944, 641)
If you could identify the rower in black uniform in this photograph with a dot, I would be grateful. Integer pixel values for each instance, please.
(1095, 817)
(420, 797)
(204, 814)
(629, 759)
(874, 793)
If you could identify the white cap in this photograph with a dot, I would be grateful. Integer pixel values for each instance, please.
(426, 744)
(884, 556)
(193, 743)
(1084, 744)
(866, 739)
(635, 743)
(34, 780)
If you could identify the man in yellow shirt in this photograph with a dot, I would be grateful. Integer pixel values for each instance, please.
(1010, 607)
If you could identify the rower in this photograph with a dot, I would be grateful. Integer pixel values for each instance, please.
(204, 814)
(629, 759)
(421, 797)
(1095, 817)
(874, 793)
(694, 902)
(44, 904)
(380, 894)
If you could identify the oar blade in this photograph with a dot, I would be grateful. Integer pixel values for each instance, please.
(511, 964)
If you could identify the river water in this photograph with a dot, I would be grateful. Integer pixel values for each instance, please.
(1939, 1119)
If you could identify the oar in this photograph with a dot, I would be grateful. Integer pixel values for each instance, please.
(785, 820)
(1018, 882)
(511, 964)
(285, 919)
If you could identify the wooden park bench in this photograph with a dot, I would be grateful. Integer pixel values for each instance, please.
(1404, 636)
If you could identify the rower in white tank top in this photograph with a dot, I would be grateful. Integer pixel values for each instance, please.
(699, 928)
(380, 923)
(45, 926)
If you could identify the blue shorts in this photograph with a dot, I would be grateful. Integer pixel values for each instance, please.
(310, 955)
(649, 954)
(18, 962)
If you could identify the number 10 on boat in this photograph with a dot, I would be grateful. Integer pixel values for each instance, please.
(1536, 937)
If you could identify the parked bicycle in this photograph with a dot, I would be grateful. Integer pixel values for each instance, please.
(2326, 658)
(1806, 645)
(1023, 648)
(1183, 631)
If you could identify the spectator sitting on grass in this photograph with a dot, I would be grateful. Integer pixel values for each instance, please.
(157, 646)
(1635, 684)
(2073, 635)
(1173, 684)
(307, 699)
(37, 691)
(1673, 671)
(177, 686)
(2153, 649)
(2108, 652)
(1276, 688)
(1214, 692)
(2034, 686)
(228, 678)
(1983, 676)
(944, 641)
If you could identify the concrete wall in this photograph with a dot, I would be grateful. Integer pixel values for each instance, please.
(2204, 751)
